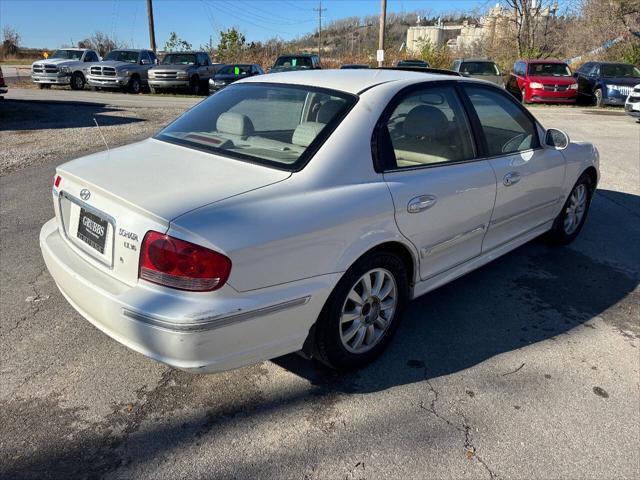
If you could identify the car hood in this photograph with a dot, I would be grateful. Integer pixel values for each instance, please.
(628, 81)
(551, 80)
(168, 180)
(228, 77)
(117, 64)
(172, 67)
(287, 69)
(56, 61)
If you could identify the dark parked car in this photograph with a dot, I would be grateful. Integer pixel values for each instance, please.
(303, 61)
(3, 86)
(231, 73)
(413, 63)
(542, 81)
(606, 83)
(351, 66)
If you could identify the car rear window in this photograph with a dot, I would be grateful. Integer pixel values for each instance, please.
(291, 61)
(270, 124)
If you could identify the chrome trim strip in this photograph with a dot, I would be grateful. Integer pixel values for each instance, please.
(451, 241)
(212, 322)
(508, 218)
(112, 221)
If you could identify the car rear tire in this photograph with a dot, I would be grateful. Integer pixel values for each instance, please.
(134, 85)
(362, 313)
(77, 81)
(598, 101)
(571, 219)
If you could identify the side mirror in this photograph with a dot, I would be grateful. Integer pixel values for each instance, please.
(557, 139)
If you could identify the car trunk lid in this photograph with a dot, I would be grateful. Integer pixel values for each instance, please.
(106, 202)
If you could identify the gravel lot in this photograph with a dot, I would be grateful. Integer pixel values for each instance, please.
(526, 368)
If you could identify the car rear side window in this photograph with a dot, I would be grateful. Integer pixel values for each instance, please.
(506, 127)
(429, 126)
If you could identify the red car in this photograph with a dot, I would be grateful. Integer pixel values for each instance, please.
(3, 86)
(542, 81)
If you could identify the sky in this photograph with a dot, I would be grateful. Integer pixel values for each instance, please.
(52, 23)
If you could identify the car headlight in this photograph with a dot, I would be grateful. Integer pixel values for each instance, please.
(573, 86)
(124, 73)
(152, 74)
(65, 70)
(536, 85)
(613, 87)
(182, 75)
(219, 82)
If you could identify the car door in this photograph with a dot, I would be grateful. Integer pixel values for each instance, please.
(529, 176)
(443, 195)
(582, 78)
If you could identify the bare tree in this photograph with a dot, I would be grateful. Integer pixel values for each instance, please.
(10, 42)
(532, 21)
(101, 42)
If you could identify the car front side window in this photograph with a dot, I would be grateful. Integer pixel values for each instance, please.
(429, 126)
(506, 127)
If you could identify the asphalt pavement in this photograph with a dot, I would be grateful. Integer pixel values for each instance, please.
(526, 368)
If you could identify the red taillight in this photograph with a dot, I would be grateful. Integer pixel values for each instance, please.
(57, 181)
(178, 264)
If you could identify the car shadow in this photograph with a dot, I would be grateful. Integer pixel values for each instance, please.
(26, 115)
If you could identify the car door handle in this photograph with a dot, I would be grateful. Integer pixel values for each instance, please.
(511, 178)
(423, 202)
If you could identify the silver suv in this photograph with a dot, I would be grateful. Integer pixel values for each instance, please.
(63, 67)
(122, 69)
(481, 68)
(185, 70)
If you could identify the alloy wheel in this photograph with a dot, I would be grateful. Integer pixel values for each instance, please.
(575, 209)
(368, 310)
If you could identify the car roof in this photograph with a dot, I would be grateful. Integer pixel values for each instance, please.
(351, 81)
(542, 60)
(475, 59)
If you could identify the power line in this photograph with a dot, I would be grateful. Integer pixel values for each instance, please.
(319, 10)
(278, 18)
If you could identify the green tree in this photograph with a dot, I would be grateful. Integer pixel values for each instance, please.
(231, 45)
(176, 44)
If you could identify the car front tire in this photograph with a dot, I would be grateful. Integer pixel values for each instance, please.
(569, 222)
(134, 85)
(77, 81)
(597, 98)
(362, 313)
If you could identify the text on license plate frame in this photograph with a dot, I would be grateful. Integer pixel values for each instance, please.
(92, 230)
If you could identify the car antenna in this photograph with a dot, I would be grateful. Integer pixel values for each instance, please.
(100, 130)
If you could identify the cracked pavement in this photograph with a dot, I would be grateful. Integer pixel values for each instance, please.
(526, 368)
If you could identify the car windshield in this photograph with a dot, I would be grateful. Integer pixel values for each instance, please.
(479, 68)
(235, 70)
(179, 59)
(67, 54)
(620, 70)
(294, 62)
(122, 56)
(274, 125)
(549, 69)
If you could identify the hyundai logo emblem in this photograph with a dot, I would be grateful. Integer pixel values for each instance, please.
(85, 194)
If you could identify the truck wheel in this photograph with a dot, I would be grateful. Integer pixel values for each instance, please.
(194, 86)
(134, 85)
(597, 98)
(77, 81)
(43, 86)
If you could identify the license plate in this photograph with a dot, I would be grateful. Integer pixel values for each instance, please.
(92, 230)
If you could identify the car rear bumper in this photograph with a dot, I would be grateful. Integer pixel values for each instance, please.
(195, 332)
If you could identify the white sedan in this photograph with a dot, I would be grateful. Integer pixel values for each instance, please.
(302, 211)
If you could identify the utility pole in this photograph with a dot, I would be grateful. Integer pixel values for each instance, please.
(319, 10)
(152, 32)
(383, 19)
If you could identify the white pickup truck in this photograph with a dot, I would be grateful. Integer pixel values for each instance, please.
(63, 67)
